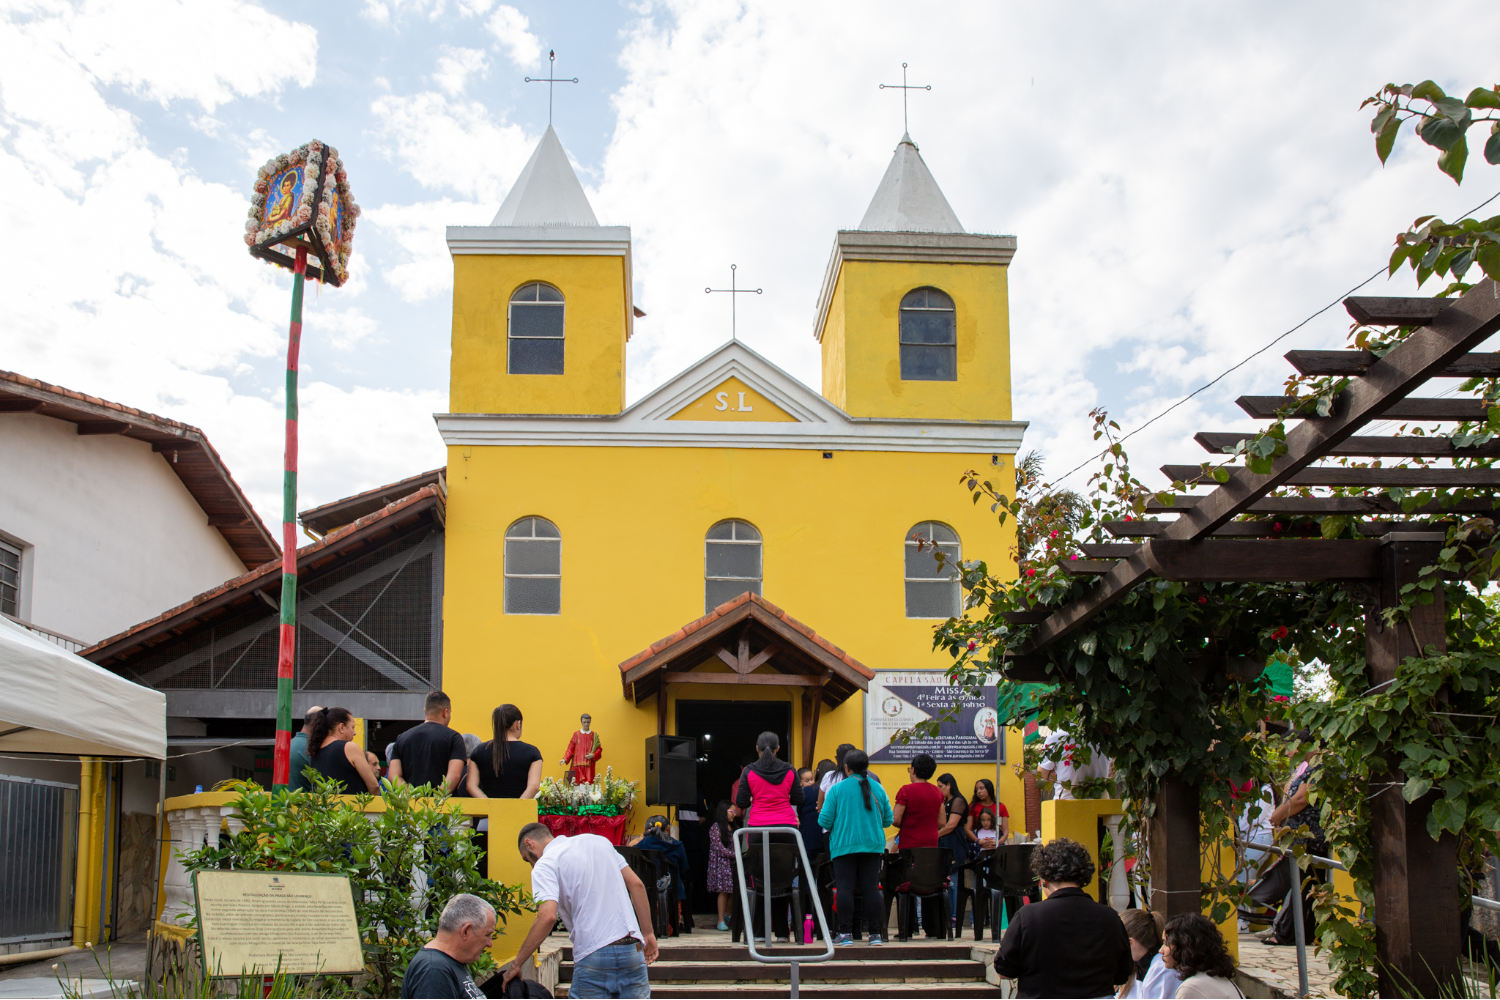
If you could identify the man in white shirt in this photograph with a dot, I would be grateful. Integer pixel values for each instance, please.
(1061, 764)
(584, 880)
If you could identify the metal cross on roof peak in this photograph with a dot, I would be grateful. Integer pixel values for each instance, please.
(551, 78)
(903, 86)
(732, 291)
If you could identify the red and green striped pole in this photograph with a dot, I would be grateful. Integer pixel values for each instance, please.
(281, 772)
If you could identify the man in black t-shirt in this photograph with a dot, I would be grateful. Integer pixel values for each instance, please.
(431, 753)
(441, 967)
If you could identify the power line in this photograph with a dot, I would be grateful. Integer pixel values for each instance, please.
(1246, 360)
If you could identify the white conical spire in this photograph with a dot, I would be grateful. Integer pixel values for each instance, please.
(908, 199)
(547, 193)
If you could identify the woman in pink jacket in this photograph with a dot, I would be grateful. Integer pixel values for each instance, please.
(768, 792)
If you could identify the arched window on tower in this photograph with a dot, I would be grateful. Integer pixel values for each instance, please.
(533, 567)
(929, 341)
(932, 589)
(535, 331)
(731, 561)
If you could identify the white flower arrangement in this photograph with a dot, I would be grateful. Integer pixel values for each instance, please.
(605, 796)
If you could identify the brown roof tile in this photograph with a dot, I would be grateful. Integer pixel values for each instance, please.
(186, 449)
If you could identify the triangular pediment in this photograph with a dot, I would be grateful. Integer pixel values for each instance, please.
(734, 383)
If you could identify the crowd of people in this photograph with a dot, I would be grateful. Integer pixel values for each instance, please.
(430, 753)
(1065, 944)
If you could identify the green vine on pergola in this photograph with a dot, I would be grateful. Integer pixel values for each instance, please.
(1166, 680)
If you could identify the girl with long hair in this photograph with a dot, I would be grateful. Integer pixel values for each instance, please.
(507, 767)
(855, 813)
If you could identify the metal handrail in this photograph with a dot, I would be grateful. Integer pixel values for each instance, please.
(765, 832)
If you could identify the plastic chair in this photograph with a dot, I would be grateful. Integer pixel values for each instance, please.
(926, 878)
(785, 867)
(648, 869)
(1009, 877)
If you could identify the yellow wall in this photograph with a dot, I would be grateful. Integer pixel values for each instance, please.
(633, 521)
(861, 345)
(594, 328)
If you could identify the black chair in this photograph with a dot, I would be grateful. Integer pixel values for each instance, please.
(1008, 880)
(785, 867)
(925, 877)
(975, 870)
(648, 868)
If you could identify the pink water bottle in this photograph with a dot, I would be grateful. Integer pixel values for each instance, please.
(807, 929)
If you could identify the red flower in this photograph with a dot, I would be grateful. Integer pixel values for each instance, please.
(1280, 697)
(1276, 526)
(1128, 517)
(1202, 600)
(971, 647)
(1053, 535)
(1030, 572)
(1280, 633)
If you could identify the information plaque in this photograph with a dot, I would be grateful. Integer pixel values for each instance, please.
(899, 699)
(259, 923)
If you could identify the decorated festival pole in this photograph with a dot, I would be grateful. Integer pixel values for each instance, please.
(287, 647)
(302, 206)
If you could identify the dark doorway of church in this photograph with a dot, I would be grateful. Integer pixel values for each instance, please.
(726, 732)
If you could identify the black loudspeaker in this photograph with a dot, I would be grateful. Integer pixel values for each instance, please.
(671, 771)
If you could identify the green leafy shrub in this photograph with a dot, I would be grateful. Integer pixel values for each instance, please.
(382, 852)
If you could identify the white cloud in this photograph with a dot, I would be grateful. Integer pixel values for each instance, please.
(383, 11)
(456, 65)
(512, 30)
(450, 145)
(423, 268)
(167, 50)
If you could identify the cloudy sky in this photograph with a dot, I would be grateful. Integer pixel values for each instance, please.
(1186, 180)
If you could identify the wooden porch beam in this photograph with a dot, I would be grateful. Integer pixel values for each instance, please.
(1432, 477)
(1366, 446)
(1421, 408)
(768, 680)
(1264, 561)
(1358, 362)
(1393, 310)
(103, 427)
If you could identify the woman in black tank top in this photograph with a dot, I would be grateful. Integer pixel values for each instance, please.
(335, 757)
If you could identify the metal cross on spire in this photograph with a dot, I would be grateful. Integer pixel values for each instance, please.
(732, 291)
(552, 78)
(903, 86)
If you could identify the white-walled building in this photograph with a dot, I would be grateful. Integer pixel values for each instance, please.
(108, 516)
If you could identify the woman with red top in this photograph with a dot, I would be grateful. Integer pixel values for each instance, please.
(984, 801)
(919, 806)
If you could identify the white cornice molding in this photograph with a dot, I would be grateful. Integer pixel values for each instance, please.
(986, 437)
(540, 240)
(819, 425)
(926, 248)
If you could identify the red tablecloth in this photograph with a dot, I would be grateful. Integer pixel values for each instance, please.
(611, 828)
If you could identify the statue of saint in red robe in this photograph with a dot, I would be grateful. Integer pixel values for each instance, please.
(584, 751)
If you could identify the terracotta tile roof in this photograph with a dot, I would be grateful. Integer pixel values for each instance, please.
(184, 447)
(638, 672)
(267, 576)
(337, 513)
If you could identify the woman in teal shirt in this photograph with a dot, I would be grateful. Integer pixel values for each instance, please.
(855, 813)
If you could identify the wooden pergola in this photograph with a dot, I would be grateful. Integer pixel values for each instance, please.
(1238, 532)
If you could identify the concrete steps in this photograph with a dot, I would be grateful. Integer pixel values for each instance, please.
(719, 968)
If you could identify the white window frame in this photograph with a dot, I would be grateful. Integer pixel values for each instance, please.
(951, 309)
(531, 521)
(510, 328)
(18, 595)
(928, 532)
(735, 524)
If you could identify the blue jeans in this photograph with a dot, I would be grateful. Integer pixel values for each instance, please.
(616, 970)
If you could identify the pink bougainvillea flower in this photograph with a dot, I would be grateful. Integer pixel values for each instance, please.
(1280, 633)
(1030, 572)
(971, 647)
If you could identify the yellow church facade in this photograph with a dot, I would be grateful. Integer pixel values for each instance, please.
(595, 552)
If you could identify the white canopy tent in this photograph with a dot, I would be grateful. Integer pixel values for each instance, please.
(54, 702)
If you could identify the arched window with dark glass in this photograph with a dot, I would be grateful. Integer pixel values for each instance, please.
(932, 589)
(535, 331)
(929, 339)
(533, 567)
(731, 562)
